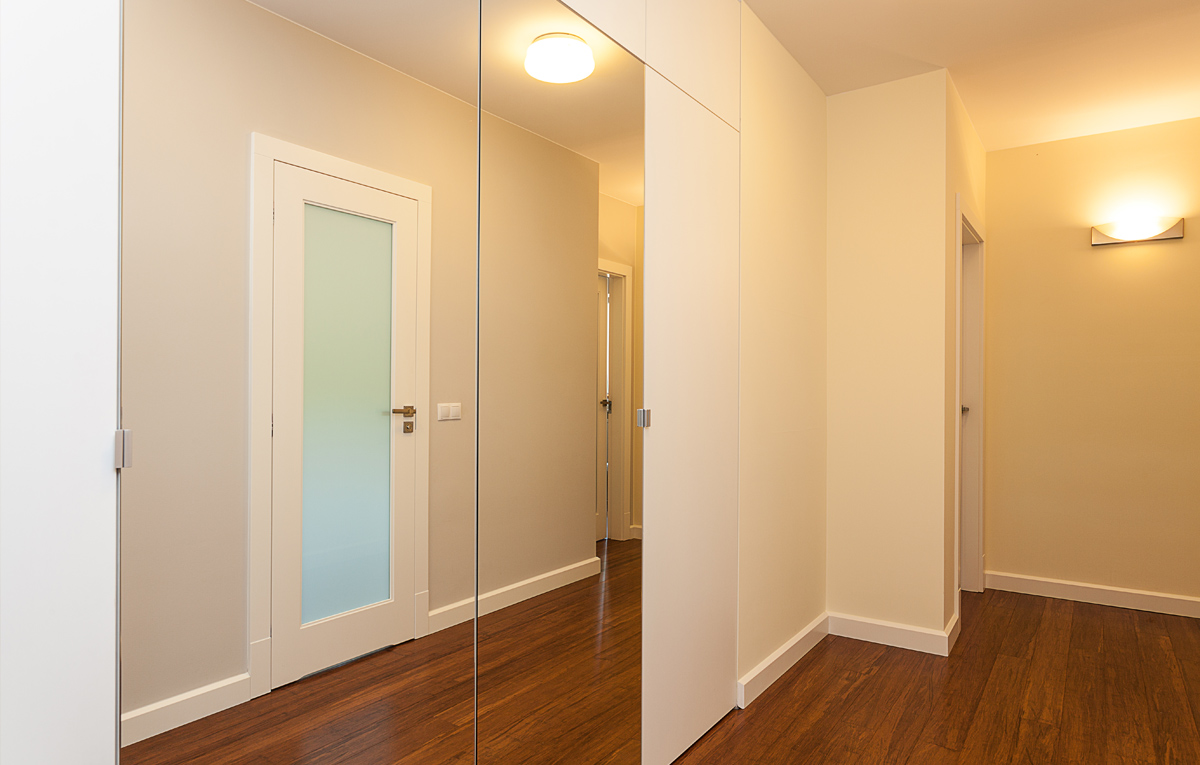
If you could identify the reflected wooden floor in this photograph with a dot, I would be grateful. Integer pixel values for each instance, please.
(559, 676)
(1031, 680)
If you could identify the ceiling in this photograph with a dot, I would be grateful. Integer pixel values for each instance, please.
(434, 41)
(1028, 71)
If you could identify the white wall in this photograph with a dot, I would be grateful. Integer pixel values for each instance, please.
(781, 508)
(887, 352)
(59, 238)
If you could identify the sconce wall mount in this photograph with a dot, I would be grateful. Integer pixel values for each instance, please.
(1138, 231)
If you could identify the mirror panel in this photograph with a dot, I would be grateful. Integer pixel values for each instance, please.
(267, 368)
(561, 180)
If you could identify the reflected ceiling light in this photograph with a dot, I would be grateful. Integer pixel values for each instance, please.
(559, 58)
(1140, 228)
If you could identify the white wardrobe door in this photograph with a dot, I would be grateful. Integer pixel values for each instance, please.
(689, 638)
(59, 206)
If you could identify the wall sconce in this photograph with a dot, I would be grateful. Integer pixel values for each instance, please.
(1142, 229)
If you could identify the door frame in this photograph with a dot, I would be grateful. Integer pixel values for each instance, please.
(265, 152)
(623, 528)
(969, 563)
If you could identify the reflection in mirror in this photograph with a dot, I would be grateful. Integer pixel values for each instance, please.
(298, 309)
(559, 528)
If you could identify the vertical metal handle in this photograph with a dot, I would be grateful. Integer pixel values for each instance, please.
(124, 452)
(643, 418)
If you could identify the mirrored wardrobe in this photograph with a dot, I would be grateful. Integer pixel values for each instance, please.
(381, 344)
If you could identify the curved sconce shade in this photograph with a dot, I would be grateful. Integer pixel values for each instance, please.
(1143, 230)
(559, 58)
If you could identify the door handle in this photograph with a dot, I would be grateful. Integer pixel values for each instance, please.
(607, 404)
(966, 409)
(408, 411)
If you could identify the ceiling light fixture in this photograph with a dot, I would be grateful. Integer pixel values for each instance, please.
(1137, 229)
(559, 58)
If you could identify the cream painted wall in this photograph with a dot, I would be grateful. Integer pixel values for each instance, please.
(200, 76)
(781, 515)
(1093, 364)
(621, 241)
(966, 165)
(887, 351)
(539, 219)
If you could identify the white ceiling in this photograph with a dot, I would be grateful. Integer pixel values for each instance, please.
(1028, 70)
(435, 41)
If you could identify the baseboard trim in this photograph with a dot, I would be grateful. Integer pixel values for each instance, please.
(770, 669)
(936, 642)
(635, 532)
(1119, 597)
(160, 717)
(464, 610)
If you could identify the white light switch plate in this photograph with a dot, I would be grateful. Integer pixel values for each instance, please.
(449, 412)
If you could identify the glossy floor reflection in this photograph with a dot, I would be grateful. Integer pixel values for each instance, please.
(560, 681)
(560, 676)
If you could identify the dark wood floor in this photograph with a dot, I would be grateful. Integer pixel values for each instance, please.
(1031, 681)
(559, 681)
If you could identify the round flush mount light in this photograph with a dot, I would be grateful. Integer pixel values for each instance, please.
(559, 58)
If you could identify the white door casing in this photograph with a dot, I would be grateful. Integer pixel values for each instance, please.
(305, 175)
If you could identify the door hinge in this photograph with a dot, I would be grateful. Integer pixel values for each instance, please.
(124, 453)
(643, 418)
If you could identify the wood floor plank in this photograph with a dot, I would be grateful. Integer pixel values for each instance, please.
(1130, 737)
(967, 673)
(1082, 739)
(995, 729)
(1176, 739)
(1048, 664)
(1035, 743)
(1185, 640)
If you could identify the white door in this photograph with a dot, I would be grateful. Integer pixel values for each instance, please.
(343, 464)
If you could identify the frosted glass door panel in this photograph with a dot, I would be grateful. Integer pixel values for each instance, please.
(347, 412)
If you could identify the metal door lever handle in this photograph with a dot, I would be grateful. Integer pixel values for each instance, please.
(408, 411)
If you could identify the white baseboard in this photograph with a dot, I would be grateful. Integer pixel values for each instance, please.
(260, 667)
(936, 642)
(187, 707)
(1139, 600)
(464, 610)
(635, 532)
(770, 669)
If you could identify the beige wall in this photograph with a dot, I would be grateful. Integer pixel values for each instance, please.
(887, 351)
(621, 241)
(1093, 363)
(781, 517)
(966, 164)
(200, 76)
(539, 218)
